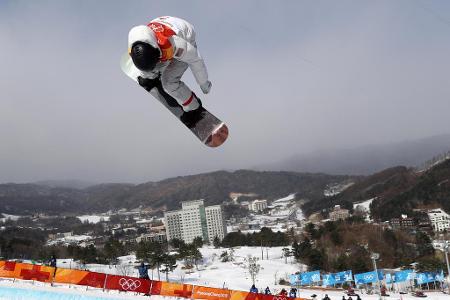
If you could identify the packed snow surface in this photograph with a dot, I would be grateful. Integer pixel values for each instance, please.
(211, 272)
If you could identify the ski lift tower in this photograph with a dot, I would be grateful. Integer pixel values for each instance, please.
(374, 258)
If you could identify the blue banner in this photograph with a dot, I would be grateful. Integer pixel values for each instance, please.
(390, 278)
(328, 280)
(310, 277)
(368, 277)
(403, 276)
(343, 276)
(294, 279)
(427, 277)
(336, 278)
(440, 276)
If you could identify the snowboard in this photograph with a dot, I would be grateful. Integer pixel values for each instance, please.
(209, 129)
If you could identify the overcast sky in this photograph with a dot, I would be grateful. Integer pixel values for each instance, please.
(288, 77)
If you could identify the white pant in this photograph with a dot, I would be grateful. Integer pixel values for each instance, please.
(172, 85)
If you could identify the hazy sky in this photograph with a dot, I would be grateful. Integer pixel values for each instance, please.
(288, 77)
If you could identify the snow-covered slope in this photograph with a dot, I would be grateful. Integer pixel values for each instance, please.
(211, 272)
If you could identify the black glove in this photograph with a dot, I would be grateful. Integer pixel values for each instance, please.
(148, 84)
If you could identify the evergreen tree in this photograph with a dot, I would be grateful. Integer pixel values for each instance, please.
(216, 242)
(424, 244)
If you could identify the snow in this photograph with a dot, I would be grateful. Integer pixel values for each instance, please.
(285, 199)
(365, 205)
(234, 275)
(9, 217)
(211, 272)
(73, 239)
(93, 218)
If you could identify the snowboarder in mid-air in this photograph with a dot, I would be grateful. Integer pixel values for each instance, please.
(162, 51)
(159, 54)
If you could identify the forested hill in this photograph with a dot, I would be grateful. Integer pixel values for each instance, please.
(214, 187)
(430, 189)
(396, 190)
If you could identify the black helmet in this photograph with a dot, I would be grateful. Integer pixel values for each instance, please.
(144, 56)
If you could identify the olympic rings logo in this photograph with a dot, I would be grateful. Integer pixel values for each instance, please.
(129, 284)
(368, 277)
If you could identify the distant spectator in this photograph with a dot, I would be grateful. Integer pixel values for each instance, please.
(267, 291)
(350, 298)
(326, 297)
(143, 271)
(343, 298)
(293, 293)
(253, 289)
(53, 261)
(283, 293)
(358, 297)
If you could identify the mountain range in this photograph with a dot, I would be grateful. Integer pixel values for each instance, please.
(214, 188)
(365, 160)
(395, 188)
(396, 191)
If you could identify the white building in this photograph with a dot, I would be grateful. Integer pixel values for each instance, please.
(152, 237)
(339, 213)
(215, 222)
(257, 205)
(195, 220)
(439, 219)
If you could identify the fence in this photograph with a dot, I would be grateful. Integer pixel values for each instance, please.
(23, 271)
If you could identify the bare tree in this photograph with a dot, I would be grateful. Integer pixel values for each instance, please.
(124, 269)
(253, 267)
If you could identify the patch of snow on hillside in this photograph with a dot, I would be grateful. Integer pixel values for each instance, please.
(9, 217)
(68, 240)
(365, 205)
(93, 218)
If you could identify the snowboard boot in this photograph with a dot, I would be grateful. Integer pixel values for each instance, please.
(190, 118)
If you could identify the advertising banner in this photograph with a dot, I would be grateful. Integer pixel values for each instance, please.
(336, 278)
(127, 284)
(368, 277)
(207, 293)
(92, 279)
(7, 269)
(310, 277)
(176, 289)
(294, 279)
(343, 276)
(34, 272)
(328, 279)
(440, 276)
(426, 277)
(403, 276)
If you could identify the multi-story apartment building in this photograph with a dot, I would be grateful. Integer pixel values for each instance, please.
(172, 221)
(159, 237)
(257, 205)
(195, 220)
(403, 223)
(215, 222)
(439, 219)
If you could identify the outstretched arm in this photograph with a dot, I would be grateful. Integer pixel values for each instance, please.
(188, 53)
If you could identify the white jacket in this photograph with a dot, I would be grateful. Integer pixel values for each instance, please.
(175, 38)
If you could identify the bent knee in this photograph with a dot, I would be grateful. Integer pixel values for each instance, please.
(170, 86)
